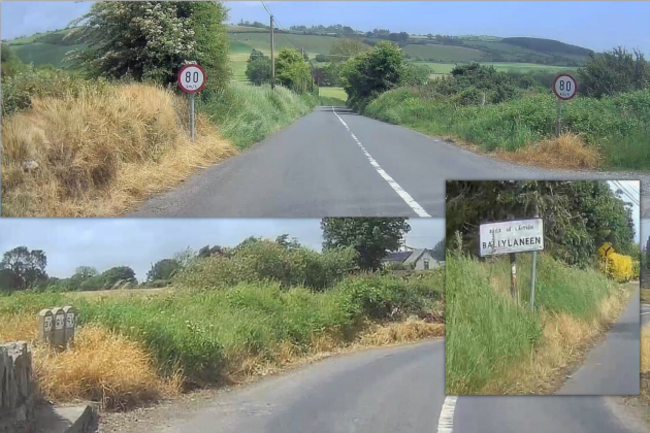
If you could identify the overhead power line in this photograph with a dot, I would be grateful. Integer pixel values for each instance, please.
(633, 198)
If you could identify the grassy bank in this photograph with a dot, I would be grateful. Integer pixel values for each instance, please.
(645, 365)
(72, 147)
(495, 346)
(186, 337)
(611, 132)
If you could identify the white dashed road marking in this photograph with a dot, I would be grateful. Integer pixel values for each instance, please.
(410, 201)
(446, 420)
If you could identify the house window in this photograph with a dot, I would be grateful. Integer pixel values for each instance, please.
(426, 264)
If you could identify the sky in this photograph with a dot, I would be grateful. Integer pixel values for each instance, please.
(633, 188)
(107, 242)
(595, 25)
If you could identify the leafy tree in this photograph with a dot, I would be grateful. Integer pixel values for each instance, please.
(11, 63)
(614, 72)
(416, 75)
(258, 68)
(27, 268)
(372, 73)
(347, 48)
(82, 273)
(208, 251)
(152, 40)
(440, 250)
(163, 270)
(287, 243)
(292, 71)
(109, 278)
(579, 216)
(372, 238)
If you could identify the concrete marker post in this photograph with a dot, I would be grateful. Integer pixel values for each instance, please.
(70, 324)
(45, 326)
(58, 337)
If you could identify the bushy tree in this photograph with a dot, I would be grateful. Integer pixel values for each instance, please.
(440, 250)
(292, 71)
(108, 279)
(614, 71)
(163, 270)
(579, 216)
(258, 68)
(22, 268)
(346, 48)
(151, 40)
(372, 238)
(369, 74)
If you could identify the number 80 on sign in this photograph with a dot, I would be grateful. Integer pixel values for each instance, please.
(565, 86)
(191, 78)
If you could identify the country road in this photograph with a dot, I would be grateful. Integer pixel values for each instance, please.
(612, 366)
(334, 162)
(388, 390)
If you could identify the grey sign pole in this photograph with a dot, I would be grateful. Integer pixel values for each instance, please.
(532, 276)
(192, 114)
(558, 123)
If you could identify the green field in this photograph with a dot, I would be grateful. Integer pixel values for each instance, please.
(43, 54)
(445, 68)
(334, 92)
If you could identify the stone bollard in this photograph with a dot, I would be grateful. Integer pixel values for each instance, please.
(58, 337)
(17, 395)
(46, 326)
(70, 323)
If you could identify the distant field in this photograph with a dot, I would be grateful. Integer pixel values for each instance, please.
(312, 44)
(43, 54)
(334, 92)
(444, 53)
(445, 68)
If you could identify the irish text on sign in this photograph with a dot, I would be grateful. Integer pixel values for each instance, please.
(511, 237)
(191, 78)
(565, 86)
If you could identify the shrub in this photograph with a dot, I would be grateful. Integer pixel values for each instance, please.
(619, 267)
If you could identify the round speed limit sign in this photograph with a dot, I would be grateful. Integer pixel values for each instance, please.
(565, 86)
(191, 78)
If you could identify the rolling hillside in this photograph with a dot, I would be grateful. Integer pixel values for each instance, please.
(439, 54)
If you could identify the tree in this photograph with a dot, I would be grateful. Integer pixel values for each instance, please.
(258, 68)
(347, 48)
(579, 216)
(416, 75)
(152, 40)
(368, 75)
(372, 238)
(440, 250)
(108, 279)
(614, 72)
(26, 267)
(163, 270)
(292, 71)
(82, 273)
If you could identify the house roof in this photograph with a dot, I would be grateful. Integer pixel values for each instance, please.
(415, 256)
(398, 257)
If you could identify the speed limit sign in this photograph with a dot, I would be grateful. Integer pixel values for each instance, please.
(565, 87)
(191, 78)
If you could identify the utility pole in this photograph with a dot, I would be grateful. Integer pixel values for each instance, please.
(272, 58)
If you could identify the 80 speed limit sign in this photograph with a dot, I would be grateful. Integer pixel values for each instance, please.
(565, 87)
(191, 78)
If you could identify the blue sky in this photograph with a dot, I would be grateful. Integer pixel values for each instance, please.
(595, 25)
(108, 242)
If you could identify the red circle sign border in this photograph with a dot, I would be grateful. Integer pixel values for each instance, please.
(180, 72)
(574, 82)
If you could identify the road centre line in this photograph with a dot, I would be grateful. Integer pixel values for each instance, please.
(446, 420)
(408, 199)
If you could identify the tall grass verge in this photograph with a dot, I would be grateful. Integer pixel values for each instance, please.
(497, 345)
(219, 335)
(96, 152)
(645, 364)
(247, 114)
(602, 128)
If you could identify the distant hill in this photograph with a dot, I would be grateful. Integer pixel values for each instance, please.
(51, 47)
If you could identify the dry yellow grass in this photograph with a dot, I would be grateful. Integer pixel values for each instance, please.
(119, 373)
(98, 155)
(568, 151)
(566, 340)
(645, 364)
(101, 366)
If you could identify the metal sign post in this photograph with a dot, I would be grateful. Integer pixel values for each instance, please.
(192, 79)
(511, 237)
(565, 87)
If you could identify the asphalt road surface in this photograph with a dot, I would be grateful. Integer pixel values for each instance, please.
(334, 162)
(388, 390)
(612, 367)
